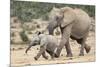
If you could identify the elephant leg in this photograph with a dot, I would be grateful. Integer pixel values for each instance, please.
(53, 55)
(44, 55)
(68, 49)
(82, 50)
(87, 48)
(59, 48)
(50, 53)
(65, 41)
(81, 42)
(42, 49)
(83, 45)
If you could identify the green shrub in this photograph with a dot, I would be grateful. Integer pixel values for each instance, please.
(24, 36)
(26, 11)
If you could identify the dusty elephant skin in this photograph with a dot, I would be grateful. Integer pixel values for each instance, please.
(47, 43)
(74, 23)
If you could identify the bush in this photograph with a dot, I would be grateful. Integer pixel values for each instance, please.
(24, 36)
(26, 11)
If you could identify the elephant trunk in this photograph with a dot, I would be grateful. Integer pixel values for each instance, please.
(51, 28)
(29, 48)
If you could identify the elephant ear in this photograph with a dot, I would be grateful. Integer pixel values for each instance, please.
(68, 16)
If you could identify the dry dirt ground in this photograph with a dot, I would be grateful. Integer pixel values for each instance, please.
(19, 58)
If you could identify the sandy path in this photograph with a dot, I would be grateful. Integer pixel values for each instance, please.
(19, 58)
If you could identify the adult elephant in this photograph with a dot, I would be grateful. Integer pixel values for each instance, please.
(74, 24)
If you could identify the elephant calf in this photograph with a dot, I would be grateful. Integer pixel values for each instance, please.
(48, 43)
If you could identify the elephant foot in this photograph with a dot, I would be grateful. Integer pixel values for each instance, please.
(56, 55)
(35, 58)
(87, 48)
(46, 57)
(69, 55)
(52, 58)
(81, 54)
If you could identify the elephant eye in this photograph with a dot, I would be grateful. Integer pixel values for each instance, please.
(58, 19)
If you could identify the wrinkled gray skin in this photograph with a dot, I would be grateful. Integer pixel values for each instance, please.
(74, 24)
(48, 43)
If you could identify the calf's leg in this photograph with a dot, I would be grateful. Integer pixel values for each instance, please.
(42, 49)
(44, 55)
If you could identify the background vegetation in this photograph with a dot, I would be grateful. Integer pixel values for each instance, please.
(24, 36)
(26, 11)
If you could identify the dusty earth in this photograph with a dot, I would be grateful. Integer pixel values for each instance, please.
(19, 58)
